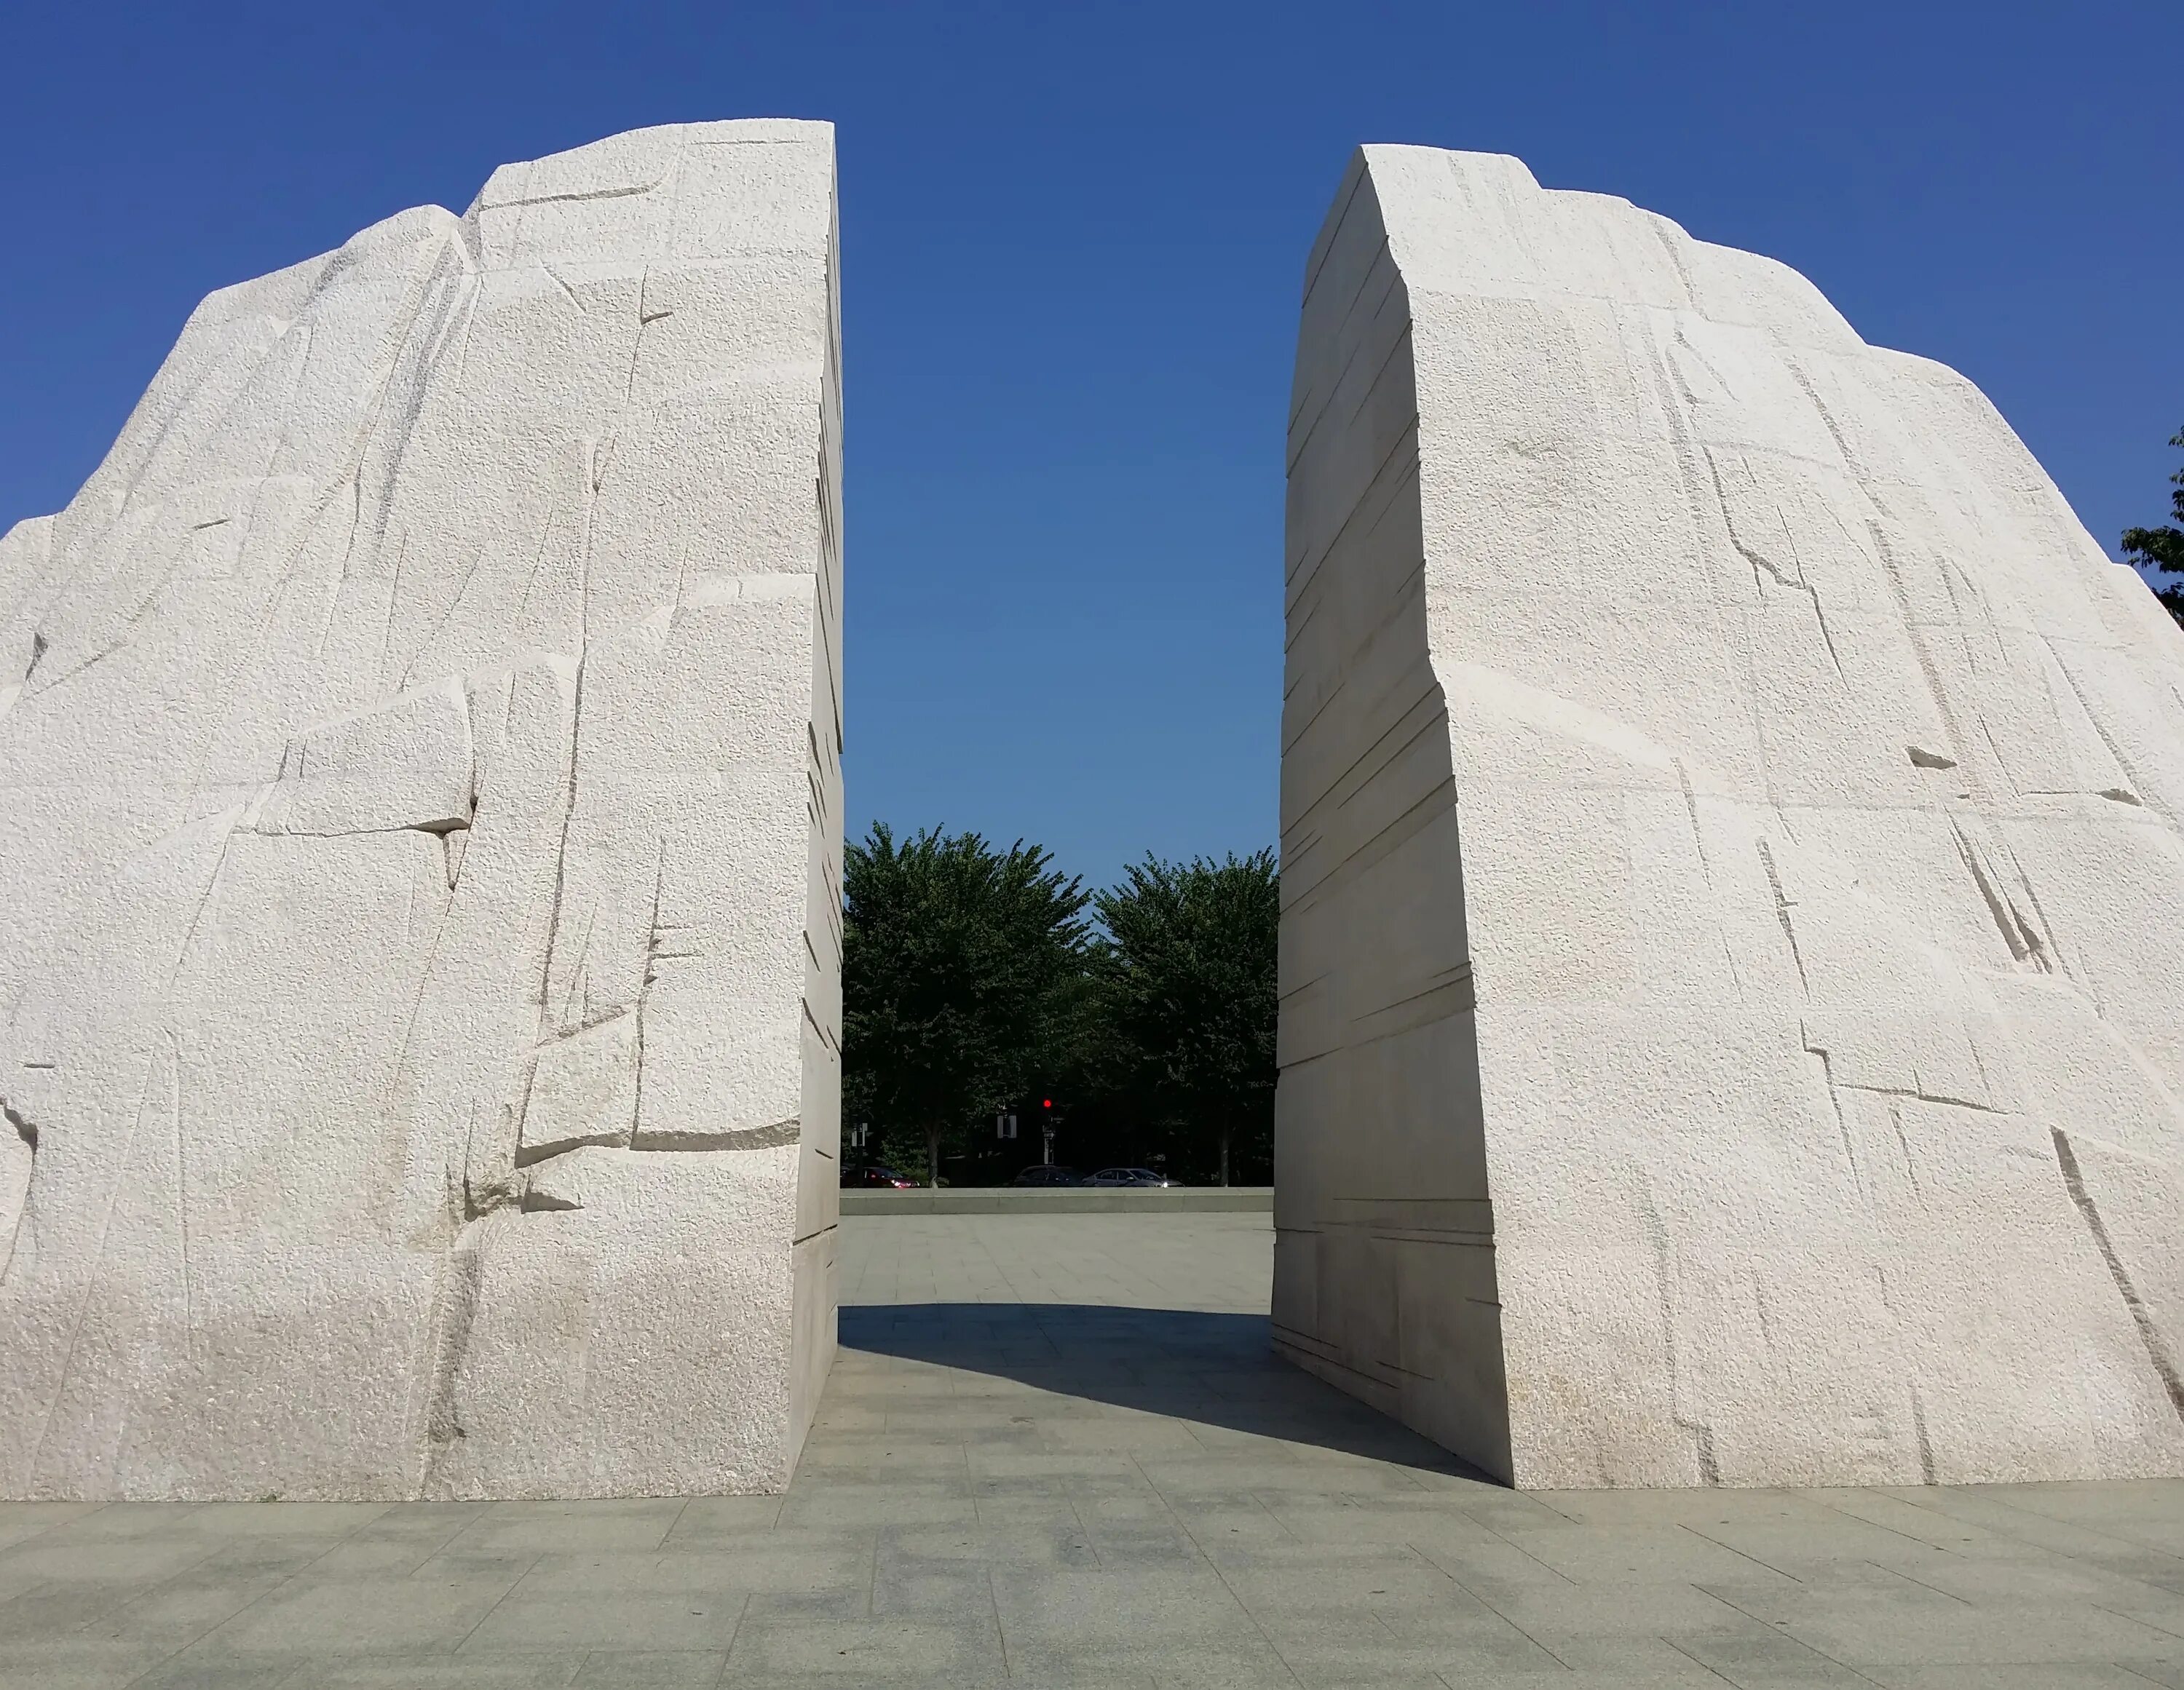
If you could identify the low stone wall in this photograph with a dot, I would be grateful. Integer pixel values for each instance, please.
(1062, 1200)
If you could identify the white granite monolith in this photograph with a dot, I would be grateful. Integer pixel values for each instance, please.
(1732, 1024)
(420, 843)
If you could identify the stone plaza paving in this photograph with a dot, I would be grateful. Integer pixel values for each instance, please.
(1055, 1451)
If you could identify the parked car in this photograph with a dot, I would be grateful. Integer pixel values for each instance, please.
(1049, 1173)
(1130, 1176)
(875, 1178)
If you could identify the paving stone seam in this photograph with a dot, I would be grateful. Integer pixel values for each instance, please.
(278, 1585)
(1244, 1607)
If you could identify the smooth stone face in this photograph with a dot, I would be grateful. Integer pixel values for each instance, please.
(420, 809)
(1733, 950)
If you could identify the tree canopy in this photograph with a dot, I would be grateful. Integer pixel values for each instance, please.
(2161, 550)
(1186, 978)
(956, 958)
(973, 985)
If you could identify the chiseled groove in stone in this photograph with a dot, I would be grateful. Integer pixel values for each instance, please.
(768, 1137)
(2157, 1347)
(19, 1161)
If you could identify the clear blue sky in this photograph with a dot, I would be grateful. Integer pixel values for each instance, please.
(1073, 236)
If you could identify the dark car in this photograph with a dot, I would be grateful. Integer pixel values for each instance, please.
(1130, 1176)
(874, 1179)
(1049, 1173)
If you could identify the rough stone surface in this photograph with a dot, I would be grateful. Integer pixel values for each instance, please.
(1733, 950)
(419, 802)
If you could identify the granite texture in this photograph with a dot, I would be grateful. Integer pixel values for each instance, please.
(419, 798)
(1732, 1026)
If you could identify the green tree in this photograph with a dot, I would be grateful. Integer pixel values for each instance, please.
(956, 957)
(1187, 976)
(2161, 550)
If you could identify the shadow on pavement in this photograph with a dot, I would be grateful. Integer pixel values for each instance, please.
(1217, 1369)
